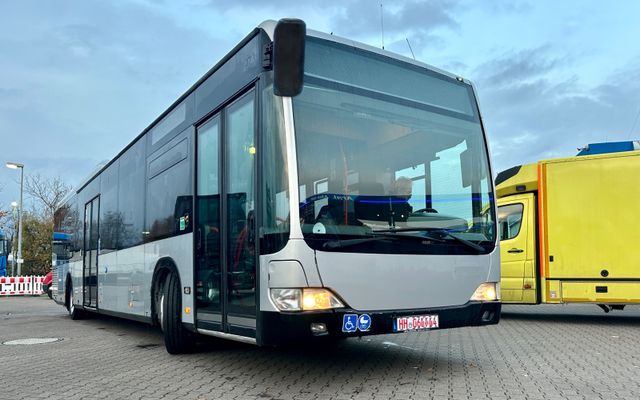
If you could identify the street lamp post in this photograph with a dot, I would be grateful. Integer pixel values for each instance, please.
(14, 210)
(13, 165)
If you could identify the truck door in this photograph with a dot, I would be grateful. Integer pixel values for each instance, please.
(517, 239)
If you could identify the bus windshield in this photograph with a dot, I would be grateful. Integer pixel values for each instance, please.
(387, 150)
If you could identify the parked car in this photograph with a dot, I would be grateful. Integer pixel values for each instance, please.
(46, 284)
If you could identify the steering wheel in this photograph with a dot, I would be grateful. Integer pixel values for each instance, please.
(425, 211)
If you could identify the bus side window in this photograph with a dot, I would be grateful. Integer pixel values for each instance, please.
(169, 192)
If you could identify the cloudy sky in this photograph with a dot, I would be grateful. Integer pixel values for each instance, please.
(80, 79)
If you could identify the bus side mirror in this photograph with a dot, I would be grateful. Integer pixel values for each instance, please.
(288, 57)
(466, 168)
(470, 170)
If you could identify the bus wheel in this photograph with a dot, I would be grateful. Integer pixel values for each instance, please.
(177, 339)
(74, 313)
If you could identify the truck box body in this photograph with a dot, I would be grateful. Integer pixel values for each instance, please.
(578, 235)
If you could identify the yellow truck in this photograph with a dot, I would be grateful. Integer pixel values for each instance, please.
(570, 231)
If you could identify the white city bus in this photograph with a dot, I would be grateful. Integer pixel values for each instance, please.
(307, 186)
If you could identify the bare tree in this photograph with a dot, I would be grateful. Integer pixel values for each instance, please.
(49, 192)
(5, 218)
(5, 214)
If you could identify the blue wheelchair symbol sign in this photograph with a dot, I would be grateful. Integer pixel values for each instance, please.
(349, 322)
(364, 322)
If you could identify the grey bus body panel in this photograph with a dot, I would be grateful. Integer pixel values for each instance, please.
(286, 274)
(494, 265)
(75, 271)
(124, 278)
(62, 271)
(177, 249)
(401, 281)
(383, 281)
(295, 251)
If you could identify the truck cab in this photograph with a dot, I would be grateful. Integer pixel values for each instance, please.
(517, 190)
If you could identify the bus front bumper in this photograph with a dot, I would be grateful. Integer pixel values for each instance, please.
(281, 328)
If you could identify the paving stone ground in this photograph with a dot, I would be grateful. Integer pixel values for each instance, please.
(536, 352)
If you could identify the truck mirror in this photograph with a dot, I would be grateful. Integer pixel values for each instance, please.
(288, 57)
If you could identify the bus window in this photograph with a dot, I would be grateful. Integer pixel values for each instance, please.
(169, 193)
(240, 178)
(275, 183)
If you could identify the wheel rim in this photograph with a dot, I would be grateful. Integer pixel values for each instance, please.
(71, 306)
(161, 312)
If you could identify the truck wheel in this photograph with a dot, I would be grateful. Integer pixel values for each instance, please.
(74, 312)
(177, 339)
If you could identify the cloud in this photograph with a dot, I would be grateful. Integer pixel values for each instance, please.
(87, 78)
(510, 7)
(534, 109)
(517, 67)
(361, 18)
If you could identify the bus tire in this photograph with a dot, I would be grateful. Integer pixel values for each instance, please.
(74, 312)
(177, 339)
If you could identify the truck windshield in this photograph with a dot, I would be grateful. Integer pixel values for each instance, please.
(376, 158)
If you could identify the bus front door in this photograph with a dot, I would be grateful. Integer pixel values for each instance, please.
(225, 237)
(90, 247)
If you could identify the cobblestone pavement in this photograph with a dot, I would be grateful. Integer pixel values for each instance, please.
(536, 352)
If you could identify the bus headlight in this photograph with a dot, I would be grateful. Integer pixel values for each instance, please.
(488, 291)
(319, 299)
(286, 299)
(306, 299)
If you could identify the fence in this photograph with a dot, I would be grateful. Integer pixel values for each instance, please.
(21, 285)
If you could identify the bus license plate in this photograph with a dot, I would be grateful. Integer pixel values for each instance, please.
(416, 323)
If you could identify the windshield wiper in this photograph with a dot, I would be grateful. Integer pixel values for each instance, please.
(335, 244)
(444, 232)
(381, 235)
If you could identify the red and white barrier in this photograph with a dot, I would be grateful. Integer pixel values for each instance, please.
(21, 285)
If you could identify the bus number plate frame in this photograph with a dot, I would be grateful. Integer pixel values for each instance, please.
(416, 323)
